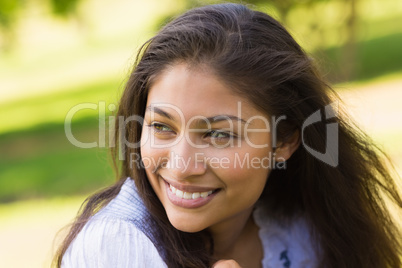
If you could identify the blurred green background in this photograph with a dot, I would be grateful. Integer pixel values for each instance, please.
(56, 54)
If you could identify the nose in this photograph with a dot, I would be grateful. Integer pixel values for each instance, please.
(185, 160)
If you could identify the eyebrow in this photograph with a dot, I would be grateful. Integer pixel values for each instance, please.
(159, 111)
(213, 119)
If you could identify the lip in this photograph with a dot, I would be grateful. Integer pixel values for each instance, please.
(189, 203)
(188, 188)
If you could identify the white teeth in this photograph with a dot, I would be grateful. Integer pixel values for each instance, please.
(172, 189)
(204, 194)
(188, 195)
(179, 193)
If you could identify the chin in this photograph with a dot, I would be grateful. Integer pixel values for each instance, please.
(186, 225)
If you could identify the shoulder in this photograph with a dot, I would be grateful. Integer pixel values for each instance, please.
(117, 236)
(111, 242)
(286, 244)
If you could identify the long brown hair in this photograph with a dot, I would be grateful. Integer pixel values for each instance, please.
(343, 203)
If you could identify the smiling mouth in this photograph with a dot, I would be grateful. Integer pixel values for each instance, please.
(186, 197)
(190, 195)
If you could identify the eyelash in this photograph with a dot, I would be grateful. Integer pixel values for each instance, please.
(211, 133)
(155, 127)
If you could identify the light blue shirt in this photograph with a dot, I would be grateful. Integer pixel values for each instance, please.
(119, 236)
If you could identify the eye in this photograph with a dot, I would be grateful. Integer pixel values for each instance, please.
(160, 128)
(217, 134)
(220, 138)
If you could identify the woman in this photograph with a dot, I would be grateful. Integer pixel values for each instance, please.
(233, 160)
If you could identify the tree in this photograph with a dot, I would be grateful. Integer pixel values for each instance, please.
(10, 11)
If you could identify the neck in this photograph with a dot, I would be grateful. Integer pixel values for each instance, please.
(228, 234)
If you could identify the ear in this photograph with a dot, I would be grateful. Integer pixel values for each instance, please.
(287, 147)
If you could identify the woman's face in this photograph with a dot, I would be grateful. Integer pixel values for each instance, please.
(207, 152)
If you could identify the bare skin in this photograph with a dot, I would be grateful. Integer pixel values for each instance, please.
(178, 98)
(239, 249)
(226, 264)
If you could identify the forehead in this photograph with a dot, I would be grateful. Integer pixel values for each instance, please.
(197, 92)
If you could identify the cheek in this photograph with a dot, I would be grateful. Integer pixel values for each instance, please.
(248, 177)
(149, 154)
(246, 159)
(150, 161)
(149, 157)
(245, 167)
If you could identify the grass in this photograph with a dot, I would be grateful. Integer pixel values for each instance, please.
(42, 163)
(375, 58)
(26, 113)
